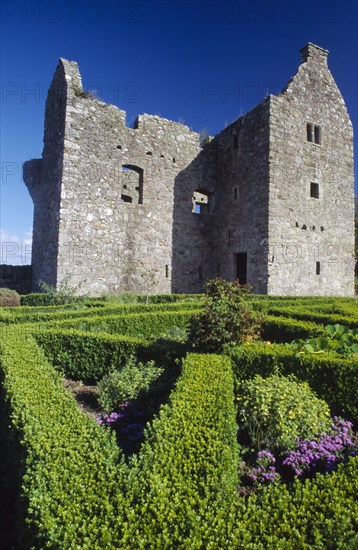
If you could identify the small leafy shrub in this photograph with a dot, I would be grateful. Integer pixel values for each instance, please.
(65, 294)
(228, 317)
(126, 384)
(9, 298)
(338, 339)
(275, 411)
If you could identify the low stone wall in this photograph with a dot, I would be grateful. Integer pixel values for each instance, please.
(16, 277)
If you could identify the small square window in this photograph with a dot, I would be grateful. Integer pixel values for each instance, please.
(314, 192)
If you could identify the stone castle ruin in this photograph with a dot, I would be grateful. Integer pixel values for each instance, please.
(269, 200)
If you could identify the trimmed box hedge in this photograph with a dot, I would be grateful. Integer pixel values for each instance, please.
(334, 379)
(139, 325)
(315, 316)
(71, 468)
(87, 356)
(73, 490)
(59, 314)
(283, 329)
(319, 513)
(185, 480)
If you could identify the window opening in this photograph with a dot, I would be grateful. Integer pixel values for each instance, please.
(126, 198)
(314, 191)
(317, 135)
(318, 268)
(235, 142)
(132, 183)
(313, 133)
(241, 267)
(235, 193)
(310, 132)
(200, 202)
(167, 271)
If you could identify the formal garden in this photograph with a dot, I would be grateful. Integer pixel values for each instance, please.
(218, 421)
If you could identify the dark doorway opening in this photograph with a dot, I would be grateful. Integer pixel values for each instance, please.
(241, 267)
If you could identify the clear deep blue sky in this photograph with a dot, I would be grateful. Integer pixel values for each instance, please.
(203, 63)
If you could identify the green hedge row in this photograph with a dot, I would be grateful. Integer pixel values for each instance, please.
(168, 298)
(43, 299)
(138, 325)
(320, 513)
(185, 481)
(333, 379)
(316, 316)
(284, 329)
(87, 356)
(55, 313)
(72, 475)
(181, 491)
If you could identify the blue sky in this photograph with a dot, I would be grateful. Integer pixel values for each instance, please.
(201, 62)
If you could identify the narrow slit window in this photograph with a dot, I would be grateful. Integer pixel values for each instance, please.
(166, 271)
(235, 142)
(235, 193)
(318, 268)
(313, 133)
(310, 132)
(314, 191)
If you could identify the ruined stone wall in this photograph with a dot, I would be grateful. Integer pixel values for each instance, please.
(43, 178)
(116, 206)
(311, 240)
(116, 213)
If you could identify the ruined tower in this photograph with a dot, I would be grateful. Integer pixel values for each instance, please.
(269, 200)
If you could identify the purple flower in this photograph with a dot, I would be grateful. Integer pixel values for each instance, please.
(325, 452)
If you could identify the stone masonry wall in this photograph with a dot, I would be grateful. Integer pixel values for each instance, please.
(304, 230)
(43, 178)
(268, 200)
(242, 192)
(116, 213)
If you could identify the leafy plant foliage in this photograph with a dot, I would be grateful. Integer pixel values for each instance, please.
(125, 384)
(277, 410)
(9, 298)
(338, 339)
(228, 317)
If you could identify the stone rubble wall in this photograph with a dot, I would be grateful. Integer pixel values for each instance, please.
(114, 205)
(105, 242)
(304, 230)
